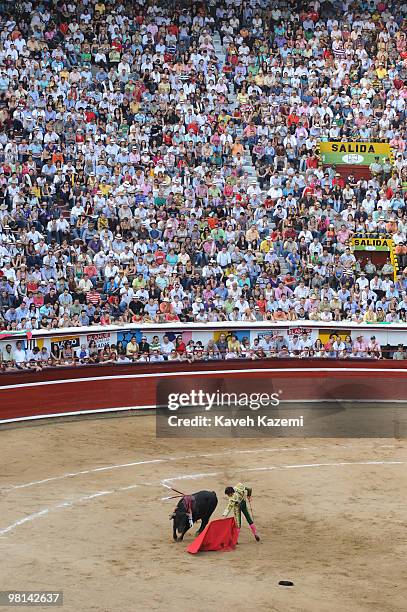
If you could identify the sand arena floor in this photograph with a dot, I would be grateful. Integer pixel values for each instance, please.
(81, 511)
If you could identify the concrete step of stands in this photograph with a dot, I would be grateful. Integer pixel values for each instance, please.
(283, 265)
(219, 50)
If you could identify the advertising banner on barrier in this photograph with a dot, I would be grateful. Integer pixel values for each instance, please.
(297, 331)
(386, 333)
(102, 340)
(57, 344)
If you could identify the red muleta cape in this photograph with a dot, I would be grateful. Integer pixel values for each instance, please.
(220, 534)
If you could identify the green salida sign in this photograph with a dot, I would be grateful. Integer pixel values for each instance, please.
(354, 153)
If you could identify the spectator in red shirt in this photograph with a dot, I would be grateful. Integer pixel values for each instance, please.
(93, 297)
(180, 345)
(338, 180)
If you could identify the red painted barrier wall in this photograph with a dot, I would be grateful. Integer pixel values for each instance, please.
(108, 387)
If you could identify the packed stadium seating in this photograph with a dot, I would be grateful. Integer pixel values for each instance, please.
(163, 163)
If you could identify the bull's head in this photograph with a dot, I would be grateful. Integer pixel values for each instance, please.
(181, 524)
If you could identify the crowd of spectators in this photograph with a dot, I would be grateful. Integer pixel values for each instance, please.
(124, 192)
(153, 349)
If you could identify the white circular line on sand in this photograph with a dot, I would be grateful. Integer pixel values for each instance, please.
(70, 504)
(117, 466)
(284, 467)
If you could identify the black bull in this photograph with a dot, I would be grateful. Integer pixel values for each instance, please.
(202, 506)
